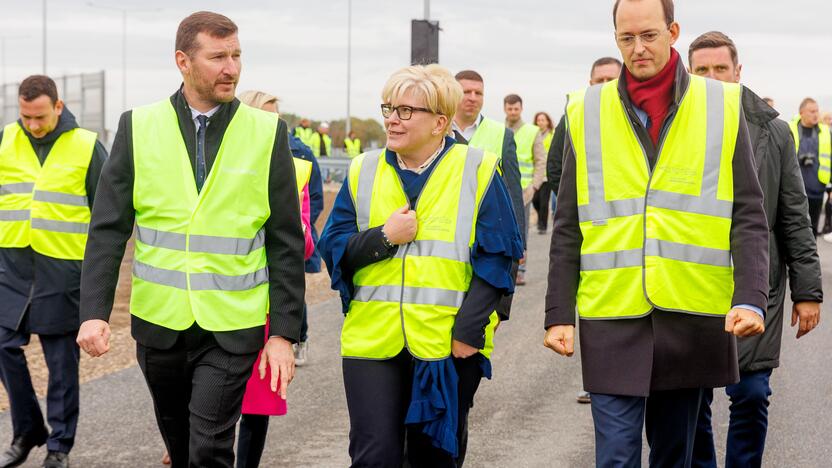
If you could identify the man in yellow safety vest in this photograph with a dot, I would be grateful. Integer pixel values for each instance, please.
(49, 170)
(210, 185)
(660, 242)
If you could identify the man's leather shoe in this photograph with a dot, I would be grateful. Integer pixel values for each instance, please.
(56, 460)
(17, 453)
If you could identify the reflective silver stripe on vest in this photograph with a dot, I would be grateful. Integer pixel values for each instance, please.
(611, 260)
(216, 282)
(172, 278)
(691, 204)
(364, 191)
(706, 203)
(200, 243)
(18, 187)
(60, 198)
(688, 253)
(59, 226)
(409, 295)
(613, 209)
(200, 281)
(432, 248)
(14, 215)
(597, 208)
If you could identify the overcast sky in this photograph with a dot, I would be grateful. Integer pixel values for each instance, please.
(540, 49)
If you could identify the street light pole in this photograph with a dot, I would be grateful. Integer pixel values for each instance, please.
(349, 65)
(44, 37)
(124, 12)
(427, 10)
(123, 60)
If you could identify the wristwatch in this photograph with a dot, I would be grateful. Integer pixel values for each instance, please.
(387, 244)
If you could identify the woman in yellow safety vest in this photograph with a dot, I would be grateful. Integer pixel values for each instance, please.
(419, 244)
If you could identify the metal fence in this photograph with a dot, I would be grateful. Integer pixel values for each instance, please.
(83, 94)
(335, 167)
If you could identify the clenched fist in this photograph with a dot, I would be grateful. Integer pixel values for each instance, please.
(560, 339)
(401, 226)
(94, 337)
(743, 322)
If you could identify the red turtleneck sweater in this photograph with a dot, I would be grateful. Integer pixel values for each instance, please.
(654, 95)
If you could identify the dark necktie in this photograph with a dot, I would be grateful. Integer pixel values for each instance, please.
(459, 138)
(200, 151)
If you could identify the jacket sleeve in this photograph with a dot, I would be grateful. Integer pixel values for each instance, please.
(554, 162)
(565, 251)
(793, 224)
(99, 155)
(749, 228)
(284, 243)
(110, 227)
(511, 176)
(539, 154)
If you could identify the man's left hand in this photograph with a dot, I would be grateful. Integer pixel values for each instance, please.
(461, 350)
(279, 356)
(743, 322)
(808, 313)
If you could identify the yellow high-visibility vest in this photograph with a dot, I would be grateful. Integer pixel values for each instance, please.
(45, 207)
(824, 149)
(352, 146)
(304, 134)
(659, 238)
(524, 139)
(411, 300)
(303, 172)
(489, 137)
(200, 256)
(315, 144)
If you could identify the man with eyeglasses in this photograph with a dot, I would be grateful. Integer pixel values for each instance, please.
(660, 242)
(714, 55)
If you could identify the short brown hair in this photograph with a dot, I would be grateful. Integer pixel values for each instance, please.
(470, 75)
(213, 24)
(713, 40)
(667, 6)
(36, 86)
(806, 101)
(604, 61)
(512, 99)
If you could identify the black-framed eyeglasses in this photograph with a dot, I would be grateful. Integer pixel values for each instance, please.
(405, 112)
(629, 40)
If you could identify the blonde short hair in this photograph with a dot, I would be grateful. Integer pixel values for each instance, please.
(257, 99)
(440, 90)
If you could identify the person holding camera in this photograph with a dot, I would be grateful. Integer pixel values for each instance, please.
(813, 143)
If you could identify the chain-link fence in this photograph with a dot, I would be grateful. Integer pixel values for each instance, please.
(83, 94)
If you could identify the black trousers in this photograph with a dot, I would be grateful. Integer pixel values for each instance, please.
(378, 395)
(197, 389)
(540, 202)
(252, 440)
(827, 209)
(62, 394)
(815, 206)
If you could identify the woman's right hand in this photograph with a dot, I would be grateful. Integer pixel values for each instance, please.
(401, 226)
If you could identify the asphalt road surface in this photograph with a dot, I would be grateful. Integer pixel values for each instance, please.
(525, 417)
